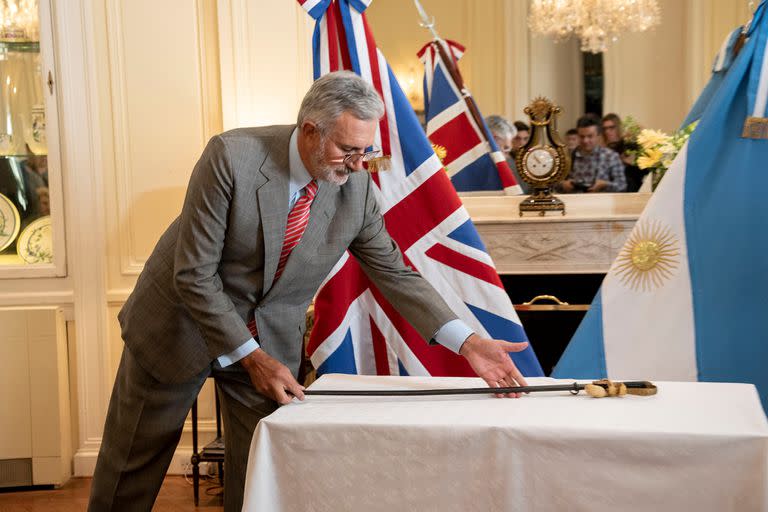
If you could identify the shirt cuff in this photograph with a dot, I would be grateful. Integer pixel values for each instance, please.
(239, 353)
(453, 335)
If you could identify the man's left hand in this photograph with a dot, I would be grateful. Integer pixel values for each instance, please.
(490, 360)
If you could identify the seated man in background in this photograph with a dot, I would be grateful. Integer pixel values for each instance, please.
(521, 137)
(614, 139)
(572, 140)
(504, 133)
(595, 168)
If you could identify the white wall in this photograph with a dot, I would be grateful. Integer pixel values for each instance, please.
(645, 72)
(266, 61)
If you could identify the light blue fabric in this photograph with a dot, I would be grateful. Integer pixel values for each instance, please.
(239, 353)
(299, 175)
(726, 219)
(584, 357)
(453, 334)
(715, 81)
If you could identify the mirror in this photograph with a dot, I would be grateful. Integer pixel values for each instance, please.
(653, 77)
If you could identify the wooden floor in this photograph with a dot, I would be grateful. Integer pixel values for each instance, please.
(175, 496)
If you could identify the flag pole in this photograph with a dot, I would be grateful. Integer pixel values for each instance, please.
(428, 22)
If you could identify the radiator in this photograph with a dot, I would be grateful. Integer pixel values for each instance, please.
(35, 431)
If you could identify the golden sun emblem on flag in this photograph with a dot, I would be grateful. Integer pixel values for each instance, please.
(649, 257)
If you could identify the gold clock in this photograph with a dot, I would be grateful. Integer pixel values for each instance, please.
(544, 161)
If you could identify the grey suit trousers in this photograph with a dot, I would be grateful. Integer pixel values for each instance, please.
(143, 427)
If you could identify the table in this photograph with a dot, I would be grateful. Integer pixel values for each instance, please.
(694, 446)
(586, 240)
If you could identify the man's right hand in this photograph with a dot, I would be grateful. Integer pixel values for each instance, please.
(567, 186)
(271, 378)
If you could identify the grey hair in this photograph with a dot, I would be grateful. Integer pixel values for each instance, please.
(336, 93)
(500, 126)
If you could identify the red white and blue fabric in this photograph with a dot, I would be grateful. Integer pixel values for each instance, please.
(356, 329)
(473, 159)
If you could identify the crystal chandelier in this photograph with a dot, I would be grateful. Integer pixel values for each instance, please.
(19, 20)
(596, 22)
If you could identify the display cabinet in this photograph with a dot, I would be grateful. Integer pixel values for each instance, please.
(31, 203)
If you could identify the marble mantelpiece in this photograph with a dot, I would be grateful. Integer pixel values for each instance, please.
(585, 240)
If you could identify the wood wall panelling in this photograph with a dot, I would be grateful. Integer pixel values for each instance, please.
(161, 115)
(266, 66)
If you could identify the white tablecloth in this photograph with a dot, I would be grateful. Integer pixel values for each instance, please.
(692, 447)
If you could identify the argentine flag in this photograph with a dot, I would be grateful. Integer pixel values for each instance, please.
(687, 297)
(720, 66)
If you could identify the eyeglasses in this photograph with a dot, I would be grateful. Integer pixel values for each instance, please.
(356, 158)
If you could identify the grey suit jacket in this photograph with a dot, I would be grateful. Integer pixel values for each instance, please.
(215, 265)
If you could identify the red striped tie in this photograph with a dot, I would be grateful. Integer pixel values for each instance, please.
(297, 223)
(298, 218)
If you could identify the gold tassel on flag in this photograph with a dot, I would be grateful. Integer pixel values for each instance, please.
(380, 163)
(755, 128)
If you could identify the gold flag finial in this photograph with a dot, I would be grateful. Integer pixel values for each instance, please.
(440, 151)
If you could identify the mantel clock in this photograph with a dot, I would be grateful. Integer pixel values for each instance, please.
(545, 160)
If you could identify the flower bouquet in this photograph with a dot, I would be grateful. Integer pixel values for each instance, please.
(657, 150)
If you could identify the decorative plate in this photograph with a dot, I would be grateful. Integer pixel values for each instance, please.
(35, 244)
(10, 222)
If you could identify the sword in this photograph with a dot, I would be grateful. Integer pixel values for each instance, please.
(597, 389)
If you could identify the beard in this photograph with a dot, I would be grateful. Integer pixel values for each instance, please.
(337, 174)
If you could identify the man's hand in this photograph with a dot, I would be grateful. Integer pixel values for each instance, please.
(271, 378)
(490, 360)
(567, 186)
(599, 186)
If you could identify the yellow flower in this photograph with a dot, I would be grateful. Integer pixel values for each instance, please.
(650, 138)
(668, 148)
(649, 159)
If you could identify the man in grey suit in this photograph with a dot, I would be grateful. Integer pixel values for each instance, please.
(216, 298)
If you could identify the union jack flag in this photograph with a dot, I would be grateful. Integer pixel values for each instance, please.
(454, 124)
(356, 329)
